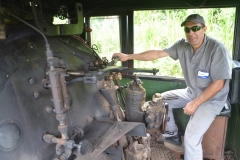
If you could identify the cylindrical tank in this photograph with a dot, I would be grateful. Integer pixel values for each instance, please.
(135, 98)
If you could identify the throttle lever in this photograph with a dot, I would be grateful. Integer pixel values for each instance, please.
(114, 61)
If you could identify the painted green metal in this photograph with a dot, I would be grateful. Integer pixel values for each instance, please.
(62, 29)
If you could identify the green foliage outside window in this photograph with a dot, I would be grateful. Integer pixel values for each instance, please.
(158, 29)
(105, 35)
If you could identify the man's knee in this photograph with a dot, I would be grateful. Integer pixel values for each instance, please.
(198, 124)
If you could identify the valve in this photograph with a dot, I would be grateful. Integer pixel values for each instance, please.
(82, 146)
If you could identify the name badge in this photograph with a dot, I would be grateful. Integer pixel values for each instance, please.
(203, 74)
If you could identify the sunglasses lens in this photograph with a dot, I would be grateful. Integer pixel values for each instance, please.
(194, 29)
(187, 30)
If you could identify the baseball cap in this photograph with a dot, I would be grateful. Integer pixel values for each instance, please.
(196, 18)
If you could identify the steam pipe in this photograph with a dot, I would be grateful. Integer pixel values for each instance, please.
(46, 41)
(57, 89)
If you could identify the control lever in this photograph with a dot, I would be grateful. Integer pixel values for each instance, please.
(114, 61)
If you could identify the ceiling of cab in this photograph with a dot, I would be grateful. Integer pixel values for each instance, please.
(105, 7)
(100, 6)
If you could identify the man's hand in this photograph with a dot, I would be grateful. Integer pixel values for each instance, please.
(190, 108)
(207, 94)
(122, 57)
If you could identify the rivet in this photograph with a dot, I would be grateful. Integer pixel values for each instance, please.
(32, 81)
(36, 94)
(48, 109)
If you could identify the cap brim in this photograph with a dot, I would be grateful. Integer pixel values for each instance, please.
(184, 22)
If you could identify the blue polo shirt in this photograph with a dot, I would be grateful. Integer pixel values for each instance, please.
(211, 62)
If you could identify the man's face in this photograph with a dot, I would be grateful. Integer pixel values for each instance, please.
(195, 38)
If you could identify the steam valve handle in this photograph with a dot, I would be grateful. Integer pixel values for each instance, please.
(82, 147)
(114, 61)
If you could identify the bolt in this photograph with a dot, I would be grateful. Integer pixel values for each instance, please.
(48, 109)
(32, 81)
(62, 62)
(32, 45)
(36, 94)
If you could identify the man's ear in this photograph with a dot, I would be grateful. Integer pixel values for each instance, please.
(205, 29)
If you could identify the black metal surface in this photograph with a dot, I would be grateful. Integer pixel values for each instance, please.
(102, 134)
(145, 70)
(236, 41)
(27, 105)
(23, 59)
(111, 7)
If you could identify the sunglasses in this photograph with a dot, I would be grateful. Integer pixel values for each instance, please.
(194, 29)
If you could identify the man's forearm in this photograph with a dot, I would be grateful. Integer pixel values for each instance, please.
(148, 55)
(210, 91)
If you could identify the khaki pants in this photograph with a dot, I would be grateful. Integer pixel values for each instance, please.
(198, 123)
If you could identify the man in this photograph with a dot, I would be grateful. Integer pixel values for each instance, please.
(206, 66)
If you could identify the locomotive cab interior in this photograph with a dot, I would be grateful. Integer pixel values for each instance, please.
(60, 100)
